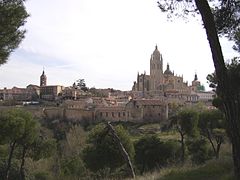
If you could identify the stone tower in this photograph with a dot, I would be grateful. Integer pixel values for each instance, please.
(43, 79)
(156, 70)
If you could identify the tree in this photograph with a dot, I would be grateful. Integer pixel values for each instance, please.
(199, 150)
(103, 151)
(71, 163)
(13, 16)
(152, 153)
(30, 132)
(81, 85)
(236, 39)
(36, 149)
(73, 167)
(185, 123)
(75, 141)
(223, 19)
(12, 125)
(212, 126)
(21, 131)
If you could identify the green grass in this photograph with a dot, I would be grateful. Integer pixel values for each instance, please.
(219, 170)
(169, 135)
(212, 170)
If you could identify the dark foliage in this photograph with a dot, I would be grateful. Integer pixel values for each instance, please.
(152, 153)
(199, 151)
(12, 17)
(102, 152)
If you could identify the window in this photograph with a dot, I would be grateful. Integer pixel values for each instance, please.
(101, 114)
(112, 114)
(123, 113)
(106, 114)
(119, 114)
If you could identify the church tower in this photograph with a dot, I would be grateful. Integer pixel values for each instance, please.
(43, 79)
(156, 70)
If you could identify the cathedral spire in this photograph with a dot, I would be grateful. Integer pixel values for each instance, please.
(168, 67)
(43, 79)
(43, 71)
(195, 77)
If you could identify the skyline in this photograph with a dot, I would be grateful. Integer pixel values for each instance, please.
(106, 43)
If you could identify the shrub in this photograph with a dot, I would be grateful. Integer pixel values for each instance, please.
(73, 166)
(102, 152)
(199, 151)
(41, 176)
(152, 153)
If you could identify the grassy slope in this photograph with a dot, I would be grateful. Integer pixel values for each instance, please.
(213, 170)
(221, 169)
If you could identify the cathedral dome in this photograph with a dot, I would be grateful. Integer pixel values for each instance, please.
(168, 71)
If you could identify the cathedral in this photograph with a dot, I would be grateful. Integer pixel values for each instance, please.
(160, 82)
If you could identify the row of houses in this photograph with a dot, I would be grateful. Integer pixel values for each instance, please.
(34, 92)
(137, 110)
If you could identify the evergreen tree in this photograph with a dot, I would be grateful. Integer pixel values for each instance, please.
(13, 16)
(219, 17)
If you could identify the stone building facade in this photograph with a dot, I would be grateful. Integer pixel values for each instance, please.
(163, 83)
(31, 92)
(159, 81)
(136, 110)
(51, 92)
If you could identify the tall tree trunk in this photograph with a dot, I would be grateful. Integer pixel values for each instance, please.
(219, 141)
(217, 55)
(122, 149)
(21, 170)
(225, 91)
(232, 108)
(212, 144)
(182, 146)
(12, 147)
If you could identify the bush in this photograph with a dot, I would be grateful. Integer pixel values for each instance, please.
(73, 166)
(199, 151)
(152, 153)
(41, 176)
(102, 152)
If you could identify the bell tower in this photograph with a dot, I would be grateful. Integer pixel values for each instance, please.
(156, 70)
(43, 79)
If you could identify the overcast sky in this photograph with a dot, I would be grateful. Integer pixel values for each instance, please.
(106, 43)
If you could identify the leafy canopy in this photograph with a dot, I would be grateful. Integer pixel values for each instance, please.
(153, 153)
(103, 152)
(13, 16)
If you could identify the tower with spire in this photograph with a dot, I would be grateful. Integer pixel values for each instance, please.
(43, 79)
(161, 82)
(196, 84)
(156, 70)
